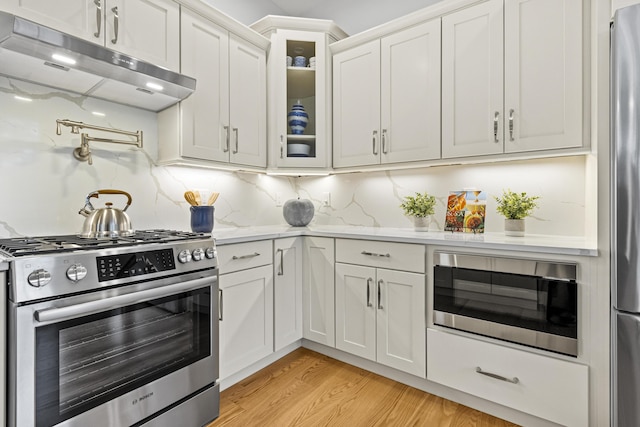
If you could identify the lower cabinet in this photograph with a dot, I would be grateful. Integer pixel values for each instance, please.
(245, 305)
(380, 316)
(553, 389)
(318, 293)
(287, 266)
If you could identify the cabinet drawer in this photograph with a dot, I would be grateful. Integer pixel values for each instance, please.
(394, 256)
(553, 389)
(241, 256)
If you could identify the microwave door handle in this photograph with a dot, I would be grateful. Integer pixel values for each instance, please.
(92, 307)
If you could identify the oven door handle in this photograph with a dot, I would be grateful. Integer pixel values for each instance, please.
(92, 307)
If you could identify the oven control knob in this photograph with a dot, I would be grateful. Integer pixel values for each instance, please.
(210, 252)
(184, 256)
(76, 272)
(39, 278)
(198, 254)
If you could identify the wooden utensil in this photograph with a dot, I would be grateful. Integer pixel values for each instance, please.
(190, 197)
(197, 196)
(212, 198)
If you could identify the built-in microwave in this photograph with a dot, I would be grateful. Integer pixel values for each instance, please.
(524, 301)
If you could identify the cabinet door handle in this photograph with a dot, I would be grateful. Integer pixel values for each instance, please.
(220, 305)
(369, 280)
(98, 18)
(282, 146)
(375, 137)
(384, 141)
(281, 269)
(115, 24)
(513, 380)
(235, 130)
(495, 127)
(380, 282)
(226, 145)
(511, 111)
(375, 254)
(253, 255)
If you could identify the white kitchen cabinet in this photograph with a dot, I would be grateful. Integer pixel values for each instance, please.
(386, 99)
(549, 388)
(224, 121)
(246, 305)
(318, 291)
(507, 86)
(287, 265)
(144, 29)
(380, 312)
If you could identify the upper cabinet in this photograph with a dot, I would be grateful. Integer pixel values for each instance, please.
(512, 77)
(145, 29)
(299, 87)
(386, 99)
(224, 121)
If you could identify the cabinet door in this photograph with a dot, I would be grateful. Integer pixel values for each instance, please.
(205, 114)
(356, 106)
(472, 81)
(543, 74)
(145, 29)
(410, 72)
(401, 326)
(80, 18)
(318, 290)
(356, 310)
(287, 291)
(248, 103)
(246, 318)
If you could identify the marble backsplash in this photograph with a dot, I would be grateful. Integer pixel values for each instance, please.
(43, 186)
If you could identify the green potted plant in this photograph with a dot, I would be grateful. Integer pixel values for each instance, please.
(515, 207)
(420, 208)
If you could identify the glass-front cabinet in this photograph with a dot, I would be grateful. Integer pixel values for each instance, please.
(299, 88)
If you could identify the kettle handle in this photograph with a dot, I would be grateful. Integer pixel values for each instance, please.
(109, 191)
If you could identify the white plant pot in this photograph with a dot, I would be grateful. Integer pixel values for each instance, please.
(421, 223)
(514, 227)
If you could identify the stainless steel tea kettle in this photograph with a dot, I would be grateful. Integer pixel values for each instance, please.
(107, 222)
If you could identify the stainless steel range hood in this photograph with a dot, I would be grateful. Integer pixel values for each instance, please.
(34, 53)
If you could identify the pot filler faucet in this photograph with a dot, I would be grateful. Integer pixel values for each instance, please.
(83, 153)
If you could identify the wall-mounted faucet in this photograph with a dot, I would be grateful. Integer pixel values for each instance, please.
(83, 153)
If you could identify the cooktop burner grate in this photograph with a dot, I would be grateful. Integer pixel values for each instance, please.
(21, 246)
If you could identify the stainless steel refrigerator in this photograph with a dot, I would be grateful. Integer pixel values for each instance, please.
(625, 232)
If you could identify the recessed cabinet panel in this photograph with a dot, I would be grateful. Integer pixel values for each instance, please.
(318, 290)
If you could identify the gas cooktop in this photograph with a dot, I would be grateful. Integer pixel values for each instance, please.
(22, 246)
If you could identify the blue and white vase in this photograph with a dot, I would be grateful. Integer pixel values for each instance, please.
(297, 119)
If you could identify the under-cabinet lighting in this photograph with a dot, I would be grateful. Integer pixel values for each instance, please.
(22, 98)
(154, 86)
(98, 113)
(64, 59)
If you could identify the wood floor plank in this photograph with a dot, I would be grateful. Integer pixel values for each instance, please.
(308, 389)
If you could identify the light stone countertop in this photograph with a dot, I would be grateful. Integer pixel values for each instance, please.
(559, 245)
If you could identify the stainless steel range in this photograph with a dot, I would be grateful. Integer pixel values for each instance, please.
(113, 332)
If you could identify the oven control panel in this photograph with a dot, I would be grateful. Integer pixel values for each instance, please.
(113, 267)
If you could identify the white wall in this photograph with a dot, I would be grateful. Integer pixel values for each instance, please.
(42, 186)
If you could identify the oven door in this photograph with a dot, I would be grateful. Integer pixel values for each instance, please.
(114, 357)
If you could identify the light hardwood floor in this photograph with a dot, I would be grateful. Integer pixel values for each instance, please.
(306, 388)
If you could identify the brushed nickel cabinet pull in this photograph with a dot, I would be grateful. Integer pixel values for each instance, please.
(236, 132)
(374, 139)
(375, 254)
(253, 255)
(380, 307)
(513, 380)
(98, 18)
(495, 127)
(220, 305)
(511, 124)
(384, 141)
(226, 146)
(369, 280)
(282, 146)
(281, 269)
(115, 24)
